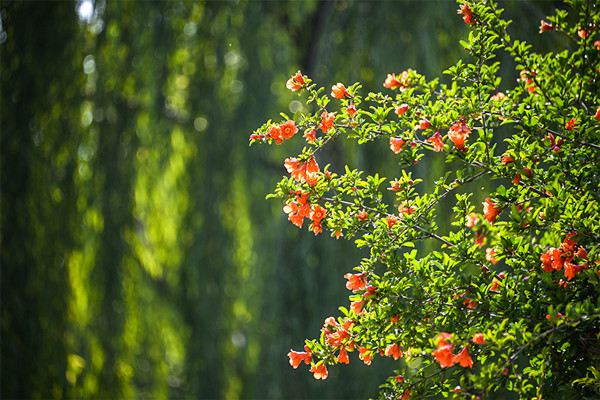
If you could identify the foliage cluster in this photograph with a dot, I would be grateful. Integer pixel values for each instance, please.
(507, 303)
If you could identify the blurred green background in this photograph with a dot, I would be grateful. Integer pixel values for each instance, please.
(139, 257)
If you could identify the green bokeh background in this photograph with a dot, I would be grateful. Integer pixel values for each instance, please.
(139, 257)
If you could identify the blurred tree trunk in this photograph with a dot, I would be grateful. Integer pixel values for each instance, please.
(41, 87)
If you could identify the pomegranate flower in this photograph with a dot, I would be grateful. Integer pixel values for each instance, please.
(458, 133)
(444, 356)
(310, 135)
(545, 26)
(307, 172)
(393, 81)
(297, 357)
(288, 129)
(437, 141)
(326, 121)
(351, 110)
(355, 281)
(467, 14)
(490, 211)
(401, 109)
(479, 338)
(319, 371)
(365, 355)
(396, 144)
(393, 350)
(343, 356)
(339, 91)
(463, 358)
(296, 82)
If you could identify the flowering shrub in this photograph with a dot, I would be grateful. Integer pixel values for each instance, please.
(507, 304)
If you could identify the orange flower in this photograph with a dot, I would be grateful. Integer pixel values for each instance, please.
(297, 210)
(339, 91)
(472, 220)
(319, 371)
(326, 121)
(463, 358)
(391, 221)
(557, 259)
(356, 306)
(371, 291)
(545, 26)
(396, 144)
(479, 239)
(406, 210)
(275, 133)
(444, 356)
(471, 304)
(288, 129)
(343, 356)
(295, 82)
(458, 133)
(546, 260)
(334, 333)
(392, 81)
(405, 395)
(582, 253)
(467, 14)
(355, 281)
(395, 186)
(495, 285)
(317, 214)
(394, 351)
(351, 110)
(490, 211)
(489, 255)
(572, 269)
(297, 357)
(424, 124)
(582, 33)
(303, 172)
(399, 378)
(310, 135)
(507, 160)
(570, 124)
(443, 352)
(365, 355)
(517, 179)
(295, 213)
(443, 338)
(479, 338)
(528, 78)
(597, 45)
(395, 318)
(437, 141)
(362, 215)
(401, 109)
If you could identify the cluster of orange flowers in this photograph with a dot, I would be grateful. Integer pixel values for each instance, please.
(457, 133)
(303, 172)
(557, 259)
(444, 351)
(278, 133)
(300, 208)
